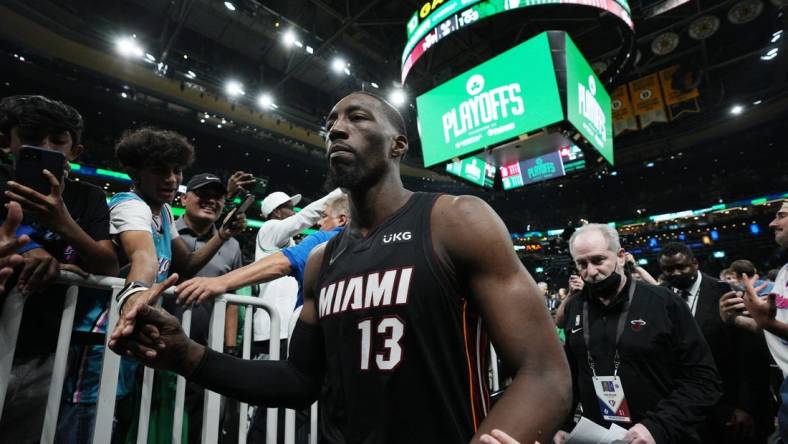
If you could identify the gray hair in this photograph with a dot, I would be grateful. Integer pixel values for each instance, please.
(339, 205)
(610, 234)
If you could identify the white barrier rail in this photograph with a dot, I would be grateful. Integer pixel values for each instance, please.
(10, 319)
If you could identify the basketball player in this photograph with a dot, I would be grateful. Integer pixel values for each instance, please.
(395, 312)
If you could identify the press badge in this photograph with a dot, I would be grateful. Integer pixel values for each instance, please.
(610, 396)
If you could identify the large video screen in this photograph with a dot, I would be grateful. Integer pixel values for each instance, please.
(530, 171)
(473, 170)
(493, 102)
(436, 20)
(587, 102)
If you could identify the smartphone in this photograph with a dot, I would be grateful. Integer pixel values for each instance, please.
(236, 212)
(260, 185)
(30, 164)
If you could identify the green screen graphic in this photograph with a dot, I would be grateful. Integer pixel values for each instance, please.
(502, 98)
(446, 17)
(473, 170)
(587, 102)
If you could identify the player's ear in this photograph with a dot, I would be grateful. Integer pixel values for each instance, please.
(399, 147)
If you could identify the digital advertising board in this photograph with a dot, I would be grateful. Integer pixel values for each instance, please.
(495, 101)
(530, 171)
(473, 170)
(437, 19)
(587, 102)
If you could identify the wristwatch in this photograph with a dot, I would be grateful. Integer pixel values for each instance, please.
(130, 289)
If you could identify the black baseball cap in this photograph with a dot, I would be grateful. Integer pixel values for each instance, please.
(204, 179)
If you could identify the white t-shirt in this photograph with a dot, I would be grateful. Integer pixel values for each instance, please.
(282, 293)
(777, 346)
(135, 215)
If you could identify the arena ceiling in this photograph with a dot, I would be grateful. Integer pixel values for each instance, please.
(215, 43)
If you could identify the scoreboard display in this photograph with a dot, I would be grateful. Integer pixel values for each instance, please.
(438, 19)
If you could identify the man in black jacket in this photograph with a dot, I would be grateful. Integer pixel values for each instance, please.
(637, 357)
(744, 414)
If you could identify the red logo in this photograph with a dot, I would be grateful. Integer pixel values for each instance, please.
(637, 324)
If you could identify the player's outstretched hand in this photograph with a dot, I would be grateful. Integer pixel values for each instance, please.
(130, 309)
(158, 341)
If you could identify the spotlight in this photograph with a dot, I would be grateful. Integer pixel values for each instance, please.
(737, 109)
(265, 100)
(229, 5)
(190, 74)
(289, 38)
(234, 88)
(128, 47)
(374, 85)
(298, 44)
(338, 65)
(772, 53)
(310, 50)
(397, 97)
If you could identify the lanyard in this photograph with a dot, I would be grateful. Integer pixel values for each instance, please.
(622, 319)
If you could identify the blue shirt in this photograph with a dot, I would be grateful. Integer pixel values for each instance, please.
(298, 254)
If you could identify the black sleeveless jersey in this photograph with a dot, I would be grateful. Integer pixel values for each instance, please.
(406, 353)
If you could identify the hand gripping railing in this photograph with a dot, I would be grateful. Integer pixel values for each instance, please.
(9, 327)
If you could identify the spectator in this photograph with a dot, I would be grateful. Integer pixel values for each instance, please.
(282, 223)
(664, 388)
(69, 230)
(729, 276)
(203, 202)
(772, 275)
(743, 267)
(769, 314)
(145, 231)
(639, 272)
(744, 413)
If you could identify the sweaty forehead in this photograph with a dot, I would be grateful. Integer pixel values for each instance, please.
(353, 102)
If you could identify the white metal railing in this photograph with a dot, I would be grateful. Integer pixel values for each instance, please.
(9, 327)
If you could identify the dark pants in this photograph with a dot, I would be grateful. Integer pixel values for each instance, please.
(26, 399)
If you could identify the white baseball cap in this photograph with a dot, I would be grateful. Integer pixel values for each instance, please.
(276, 199)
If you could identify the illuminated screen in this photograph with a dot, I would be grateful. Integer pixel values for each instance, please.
(529, 171)
(454, 15)
(587, 102)
(473, 170)
(493, 102)
(573, 158)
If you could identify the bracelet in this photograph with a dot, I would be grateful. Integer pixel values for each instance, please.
(130, 289)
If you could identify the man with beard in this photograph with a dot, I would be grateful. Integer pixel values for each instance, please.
(638, 358)
(744, 413)
(768, 314)
(390, 335)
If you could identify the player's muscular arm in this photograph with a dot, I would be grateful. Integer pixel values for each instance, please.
(539, 398)
(294, 383)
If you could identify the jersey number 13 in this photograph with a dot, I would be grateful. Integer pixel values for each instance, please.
(388, 357)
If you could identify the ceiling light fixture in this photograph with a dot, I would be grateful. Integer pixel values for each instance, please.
(398, 97)
(128, 47)
(234, 88)
(338, 65)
